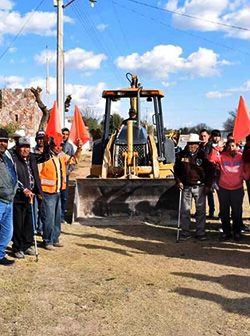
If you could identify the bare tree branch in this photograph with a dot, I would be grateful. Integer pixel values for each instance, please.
(46, 113)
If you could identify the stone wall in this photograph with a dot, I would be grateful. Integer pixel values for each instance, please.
(17, 105)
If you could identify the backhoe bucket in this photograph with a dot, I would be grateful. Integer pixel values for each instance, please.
(118, 197)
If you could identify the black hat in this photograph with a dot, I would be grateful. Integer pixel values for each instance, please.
(40, 134)
(4, 134)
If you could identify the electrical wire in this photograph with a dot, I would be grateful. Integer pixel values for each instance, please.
(116, 15)
(21, 30)
(184, 32)
(89, 27)
(190, 16)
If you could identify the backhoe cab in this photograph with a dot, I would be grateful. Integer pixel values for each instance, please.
(131, 151)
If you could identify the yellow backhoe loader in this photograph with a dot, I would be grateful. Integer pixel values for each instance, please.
(131, 171)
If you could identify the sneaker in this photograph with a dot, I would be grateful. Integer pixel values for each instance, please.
(245, 228)
(185, 237)
(201, 238)
(6, 262)
(30, 251)
(49, 247)
(19, 255)
(58, 244)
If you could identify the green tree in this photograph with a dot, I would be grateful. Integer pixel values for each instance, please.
(91, 120)
(10, 127)
(116, 121)
(195, 129)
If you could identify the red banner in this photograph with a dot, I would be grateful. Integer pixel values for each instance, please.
(54, 128)
(242, 122)
(78, 128)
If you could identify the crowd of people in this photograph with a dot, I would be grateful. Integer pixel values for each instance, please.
(34, 187)
(33, 191)
(205, 166)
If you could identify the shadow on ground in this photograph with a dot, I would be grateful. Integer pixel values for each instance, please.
(148, 239)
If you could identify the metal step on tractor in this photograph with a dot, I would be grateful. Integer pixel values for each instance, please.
(132, 170)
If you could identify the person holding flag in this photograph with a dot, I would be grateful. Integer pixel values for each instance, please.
(53, 180)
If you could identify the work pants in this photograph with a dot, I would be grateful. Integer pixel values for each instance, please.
(64, 199)
(231, 199)
(198, 194)
(23, 227)
(51, 218)
(210, 201)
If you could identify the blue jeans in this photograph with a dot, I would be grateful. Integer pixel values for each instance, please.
(51, 218)
(6, 226)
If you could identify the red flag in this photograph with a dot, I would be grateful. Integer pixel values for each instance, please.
(54, 128)
(78, 128)
(242, 122)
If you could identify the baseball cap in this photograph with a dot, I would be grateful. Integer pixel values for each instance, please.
(24, 141)
(40, 134)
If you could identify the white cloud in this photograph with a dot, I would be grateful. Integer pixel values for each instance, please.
(162, 60)
(30, 23)
(102, 26)
(168, 84)
(245, 87)
(12, 82)
(12, 50)
(6, 4)
(217, 94)
(77, 58)
(236, 13)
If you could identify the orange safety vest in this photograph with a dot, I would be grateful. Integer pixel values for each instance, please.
(49, 175)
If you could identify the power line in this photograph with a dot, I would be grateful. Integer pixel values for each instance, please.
(89, 27)
(185, 32)
(21, 30)
(120, 25)
(190, 16)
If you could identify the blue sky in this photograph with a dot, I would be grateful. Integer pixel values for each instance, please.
(196, 51)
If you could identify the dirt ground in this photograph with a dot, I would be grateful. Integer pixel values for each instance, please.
(124, 276)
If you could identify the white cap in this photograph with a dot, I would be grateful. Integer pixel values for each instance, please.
(18, 134)
(193, 138)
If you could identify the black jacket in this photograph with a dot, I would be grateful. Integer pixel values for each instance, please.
(193, 169)
(23, 177)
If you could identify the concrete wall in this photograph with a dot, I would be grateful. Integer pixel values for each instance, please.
(17, 105)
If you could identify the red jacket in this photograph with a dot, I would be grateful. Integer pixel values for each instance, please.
(232, 171)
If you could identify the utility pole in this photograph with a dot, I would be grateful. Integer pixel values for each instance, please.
(60, 56)
(60, 61)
